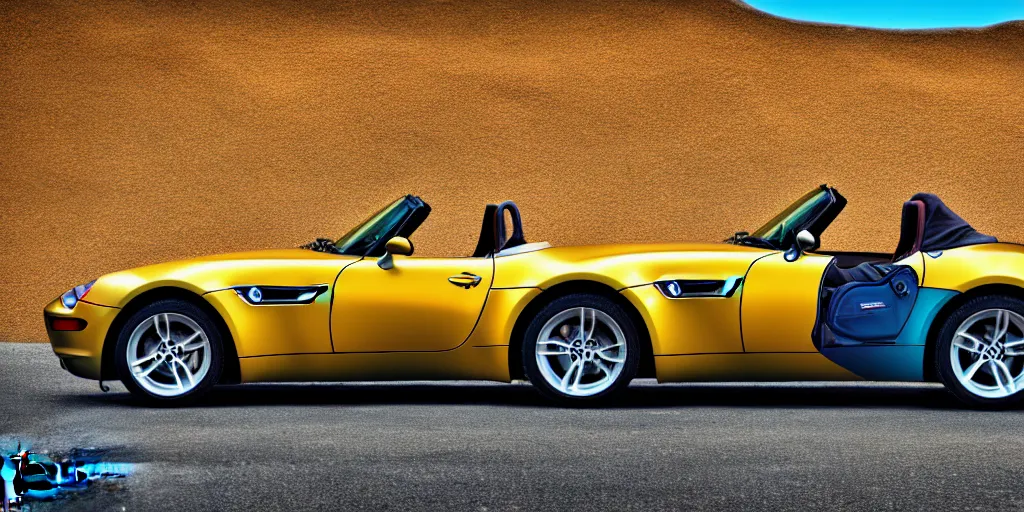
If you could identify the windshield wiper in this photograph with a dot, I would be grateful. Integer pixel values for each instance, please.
(322, 245)
(744, 238)
(736, 237)
(754, 241)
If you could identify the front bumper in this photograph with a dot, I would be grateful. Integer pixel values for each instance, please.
(80, 352)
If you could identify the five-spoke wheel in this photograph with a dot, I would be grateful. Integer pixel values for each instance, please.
(580, 348)
(980, 356)
(169, 351)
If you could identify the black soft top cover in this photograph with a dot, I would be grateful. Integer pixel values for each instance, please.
(944, 229)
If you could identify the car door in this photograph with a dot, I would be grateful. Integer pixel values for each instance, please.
(421, 304)
(780, 303)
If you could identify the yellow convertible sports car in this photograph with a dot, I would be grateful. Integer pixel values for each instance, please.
(578, 322)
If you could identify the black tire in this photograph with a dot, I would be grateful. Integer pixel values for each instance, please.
(575, 301)
(943, 361)
(216, 352)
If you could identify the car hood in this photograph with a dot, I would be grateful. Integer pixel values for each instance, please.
(584, 252)
(204, 274)
(267, 254)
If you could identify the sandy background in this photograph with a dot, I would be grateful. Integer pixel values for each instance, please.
(138, 132)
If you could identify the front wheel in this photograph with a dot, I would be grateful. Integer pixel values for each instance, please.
(580, 349)
(980, 352)
(169, 353)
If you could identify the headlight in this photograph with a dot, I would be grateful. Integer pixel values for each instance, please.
(71, 297)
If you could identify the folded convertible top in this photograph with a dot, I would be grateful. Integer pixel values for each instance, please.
(944, 229)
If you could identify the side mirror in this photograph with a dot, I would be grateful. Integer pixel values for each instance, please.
(805, 241)
(397, 245)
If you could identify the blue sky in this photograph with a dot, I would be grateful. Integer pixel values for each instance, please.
(897, 14)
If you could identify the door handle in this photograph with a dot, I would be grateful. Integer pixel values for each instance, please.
(465, 280)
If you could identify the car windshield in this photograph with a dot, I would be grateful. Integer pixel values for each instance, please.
(800, 213)
(364, 236)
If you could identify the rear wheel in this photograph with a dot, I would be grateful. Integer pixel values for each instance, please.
(580, 349)
(980, 352)
(169, 353)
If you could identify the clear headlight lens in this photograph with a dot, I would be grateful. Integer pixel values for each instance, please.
(71, 297)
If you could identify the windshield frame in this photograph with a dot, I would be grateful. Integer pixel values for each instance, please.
(400, 218)
(813, 211)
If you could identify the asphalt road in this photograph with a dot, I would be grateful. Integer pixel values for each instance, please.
(474, 446)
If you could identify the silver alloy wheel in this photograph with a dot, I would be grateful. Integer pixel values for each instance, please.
(168, 354)
(987, 353)
(581, 351)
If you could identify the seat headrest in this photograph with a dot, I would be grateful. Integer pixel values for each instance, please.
(485, 245)
(500, 239)
(911, 229)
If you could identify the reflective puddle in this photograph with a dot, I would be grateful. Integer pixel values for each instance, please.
(28, 475)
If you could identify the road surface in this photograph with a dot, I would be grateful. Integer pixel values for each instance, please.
(479, 446)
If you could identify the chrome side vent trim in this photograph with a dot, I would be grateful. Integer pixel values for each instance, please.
(259, 295)
(694, 288)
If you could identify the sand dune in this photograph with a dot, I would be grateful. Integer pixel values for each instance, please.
(137, 132)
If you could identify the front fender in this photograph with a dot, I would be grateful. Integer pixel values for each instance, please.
(204, 276)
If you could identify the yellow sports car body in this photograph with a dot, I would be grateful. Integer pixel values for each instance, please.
(578, 322)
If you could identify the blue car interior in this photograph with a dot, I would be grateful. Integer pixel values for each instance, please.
(873, 311)
(873, 316)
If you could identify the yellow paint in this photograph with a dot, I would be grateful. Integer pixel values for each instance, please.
(916, 262)
(275, 329)
(964, 268)
(256, 330)
(780, 303)
(689, 326)
(749, 367)
(282, 267)
(399, 245)
(498, 318)
(465, 363)
(82, 350)
(484, 356)
(412, 307)
(622, 266)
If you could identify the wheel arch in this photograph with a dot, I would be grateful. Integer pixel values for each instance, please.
(515, 366)
(232, 369)
(944, 313)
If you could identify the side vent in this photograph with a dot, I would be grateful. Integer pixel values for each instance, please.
(258, 295)
(687, 288)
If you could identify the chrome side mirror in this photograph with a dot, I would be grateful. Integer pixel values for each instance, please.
(805, 241)
(397, 245)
